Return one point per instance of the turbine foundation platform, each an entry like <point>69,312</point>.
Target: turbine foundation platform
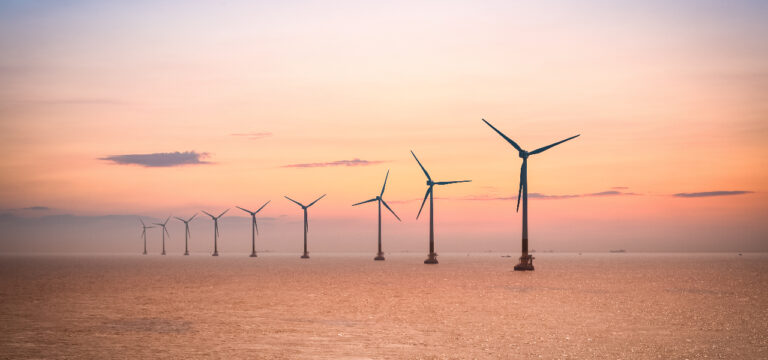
<point>163,253</point>
<point>379,257</point>
<point>526,263</point>
<point>305,256</point>
<point>253,255</point>
<point>186,253</point>
<point>431,259</point>
<point>215,254</point>
<point>145,253</point>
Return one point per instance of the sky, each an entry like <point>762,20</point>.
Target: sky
<point>114,110</point>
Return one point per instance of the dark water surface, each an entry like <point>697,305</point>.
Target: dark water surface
<point>337,306</point>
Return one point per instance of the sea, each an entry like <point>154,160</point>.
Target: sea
<point>348,306</point>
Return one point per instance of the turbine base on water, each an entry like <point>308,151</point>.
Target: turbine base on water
<point>431,259</point>
<point>526,263</point>
<point>215,254</point>
<point>253,255</point>
<point>186,253</point>
<point>305,256</point>
<point>379,256</point>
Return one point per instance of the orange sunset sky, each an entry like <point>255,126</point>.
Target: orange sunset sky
<point>303,98</point>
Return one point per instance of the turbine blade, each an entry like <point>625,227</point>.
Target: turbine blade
<point>166,220</point>
<point>385,183</point>
<point>297,203</point>
<point>451,182</point>
<point>422,166</point>
<point>262,206</point>
<point>318,199</point>
<point>423,201</point>
<point>255,225</point>
<point>390,209</point>
<point>541,149</point>
<point>166,231</point>
<point>504,136</point>
<point>246,210</point>
<point>193,216</point>
<point>520,190</point>
<point>222,214</point>
<point>142,222</point>
<point>207,213</point>
<point>178,218</point>
<point>363,202</point>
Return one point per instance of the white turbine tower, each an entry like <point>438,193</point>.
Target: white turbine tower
<point>215,230</point>
<point>186,233</point>
<point>165,231</point>
<point>379,198</point>
<point>432,257</point>
<point>254,227</point>
<point>144,234</point>
<point>526,260</point>
<point>306,223</point>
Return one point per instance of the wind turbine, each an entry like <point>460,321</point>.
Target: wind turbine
<point>432,257</point>
<point>526,260</point>
<point>306,224</point>
<point>165,231</point>
<point>254,227</point>
<point>186,233</point>
<point>215,231</point>
<point>380,255</point>
<point>144,234</point>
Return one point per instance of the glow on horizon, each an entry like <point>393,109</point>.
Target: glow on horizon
<point>669,98</point>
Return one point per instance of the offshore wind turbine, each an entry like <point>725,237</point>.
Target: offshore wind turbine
<point>215,231</point>
<point>186,233</point>
<point>306,223</point>
<point>144,234</point>
<point>432,257</point>
<point>526,260</point>
<point>379,198</point>
<point>254,227</point>
<point>165,231</point>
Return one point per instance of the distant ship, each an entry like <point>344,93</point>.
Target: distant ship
<point>618,251</point>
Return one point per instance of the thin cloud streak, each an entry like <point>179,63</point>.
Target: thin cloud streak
<point>712,193</point>
<point>549,197</point>
<point>254,135</point>
<point>353,162</point>
<point>159,159</point>
<point>36,208</point>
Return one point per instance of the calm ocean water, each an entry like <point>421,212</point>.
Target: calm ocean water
<point>277,306</point>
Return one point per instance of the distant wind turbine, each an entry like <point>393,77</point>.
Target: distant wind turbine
<point>526,260</point>
<point>254,227</point>
<point>432,259</point>
<point>186,233</point>
<point>379,198</point>
<point>306,223</point>
<point>165,231</point>
<point>215,230</point>
<point>144,234</point>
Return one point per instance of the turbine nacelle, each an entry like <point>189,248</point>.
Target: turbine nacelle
<point>523,154</point>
